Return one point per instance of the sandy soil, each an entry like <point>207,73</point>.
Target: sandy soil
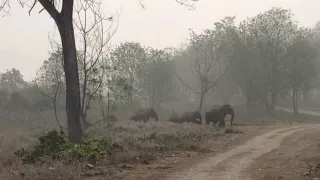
<point>231,165</point>
<point>298,158</point>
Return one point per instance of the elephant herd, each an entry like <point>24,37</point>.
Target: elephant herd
<point>215,114</point>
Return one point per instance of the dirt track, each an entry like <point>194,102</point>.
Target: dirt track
<point>230,165</point>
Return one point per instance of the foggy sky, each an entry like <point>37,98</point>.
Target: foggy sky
<point>24,39</point>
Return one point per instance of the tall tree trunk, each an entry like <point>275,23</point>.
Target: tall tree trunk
<point>73,106</point>
<point>64,22</point>
<point>266,102</point>
<point>75,127</point>
<point>274,81</point>
<point>249,100</point>
<point>249,97</point>
<point>304,95</point>
<point>83,108</point>
<point>295,97</point>
<point>273,100</point>
<point>130,93</point>
<point>201,100</point>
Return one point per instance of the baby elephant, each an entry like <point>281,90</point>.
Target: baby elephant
<point>144,115</point>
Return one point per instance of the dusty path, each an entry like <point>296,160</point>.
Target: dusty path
<point>230,165</point>
<point>300,111</point>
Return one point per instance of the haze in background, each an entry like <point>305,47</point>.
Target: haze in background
<point>24,39</point>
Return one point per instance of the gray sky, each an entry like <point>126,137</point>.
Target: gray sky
<point>24,39</point>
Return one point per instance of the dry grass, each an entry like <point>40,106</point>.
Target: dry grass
<point>143,143</point>
<point>54,171</point>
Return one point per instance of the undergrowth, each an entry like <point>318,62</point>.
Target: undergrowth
<point>56,147</point>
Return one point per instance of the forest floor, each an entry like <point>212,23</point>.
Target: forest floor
<point>288,152</point>
<point>278,147</point>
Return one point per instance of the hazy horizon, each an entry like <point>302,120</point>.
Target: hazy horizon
<point>24,39</point>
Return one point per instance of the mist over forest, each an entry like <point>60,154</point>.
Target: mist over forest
<point>264,63</point>
<point>265,60</point>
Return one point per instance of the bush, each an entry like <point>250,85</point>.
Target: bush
<point>56,146</point>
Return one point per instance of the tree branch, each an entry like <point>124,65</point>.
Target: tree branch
<point>3,6</point>
<point>50,8</point>
<point>186,84</point>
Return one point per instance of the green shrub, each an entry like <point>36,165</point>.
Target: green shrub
<point>56,146</point>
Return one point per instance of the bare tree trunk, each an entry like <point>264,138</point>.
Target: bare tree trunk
<point>108,104</point>
<point>64,22</point>
<point>273,100</point>
<point>304,95</point>
<point>202,95</point>
<point>130,93</point>
<point>83,112</point>
<point>55,108</point>
<point>73,107</point>
<point>54,102</point>
<point>248,99</point>
<point>295,101</point>
<point>265,100</point>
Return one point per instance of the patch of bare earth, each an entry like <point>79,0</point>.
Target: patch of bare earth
<point>298,158</point>
<point>231,165</point>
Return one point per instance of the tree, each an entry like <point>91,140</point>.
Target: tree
<point>50,82</point>
<point>300,65</point>
<point>210,57</point>
<point>12,80</point>
<point>266,37</point>
<point>11,83</point>
<point>230,45</point>
<point>117,88</point>
<point>64,22</point>
<point>129,58</point>
<point>203,57</point>
<point>156,78</point>
<point>94,37</point>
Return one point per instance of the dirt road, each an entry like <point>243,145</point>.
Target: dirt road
<point>230,165</point>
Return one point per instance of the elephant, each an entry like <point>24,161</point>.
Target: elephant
<point>193,117</point>
<point>174,117</point>
<point>144,115</point>
<point>218,114</point>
